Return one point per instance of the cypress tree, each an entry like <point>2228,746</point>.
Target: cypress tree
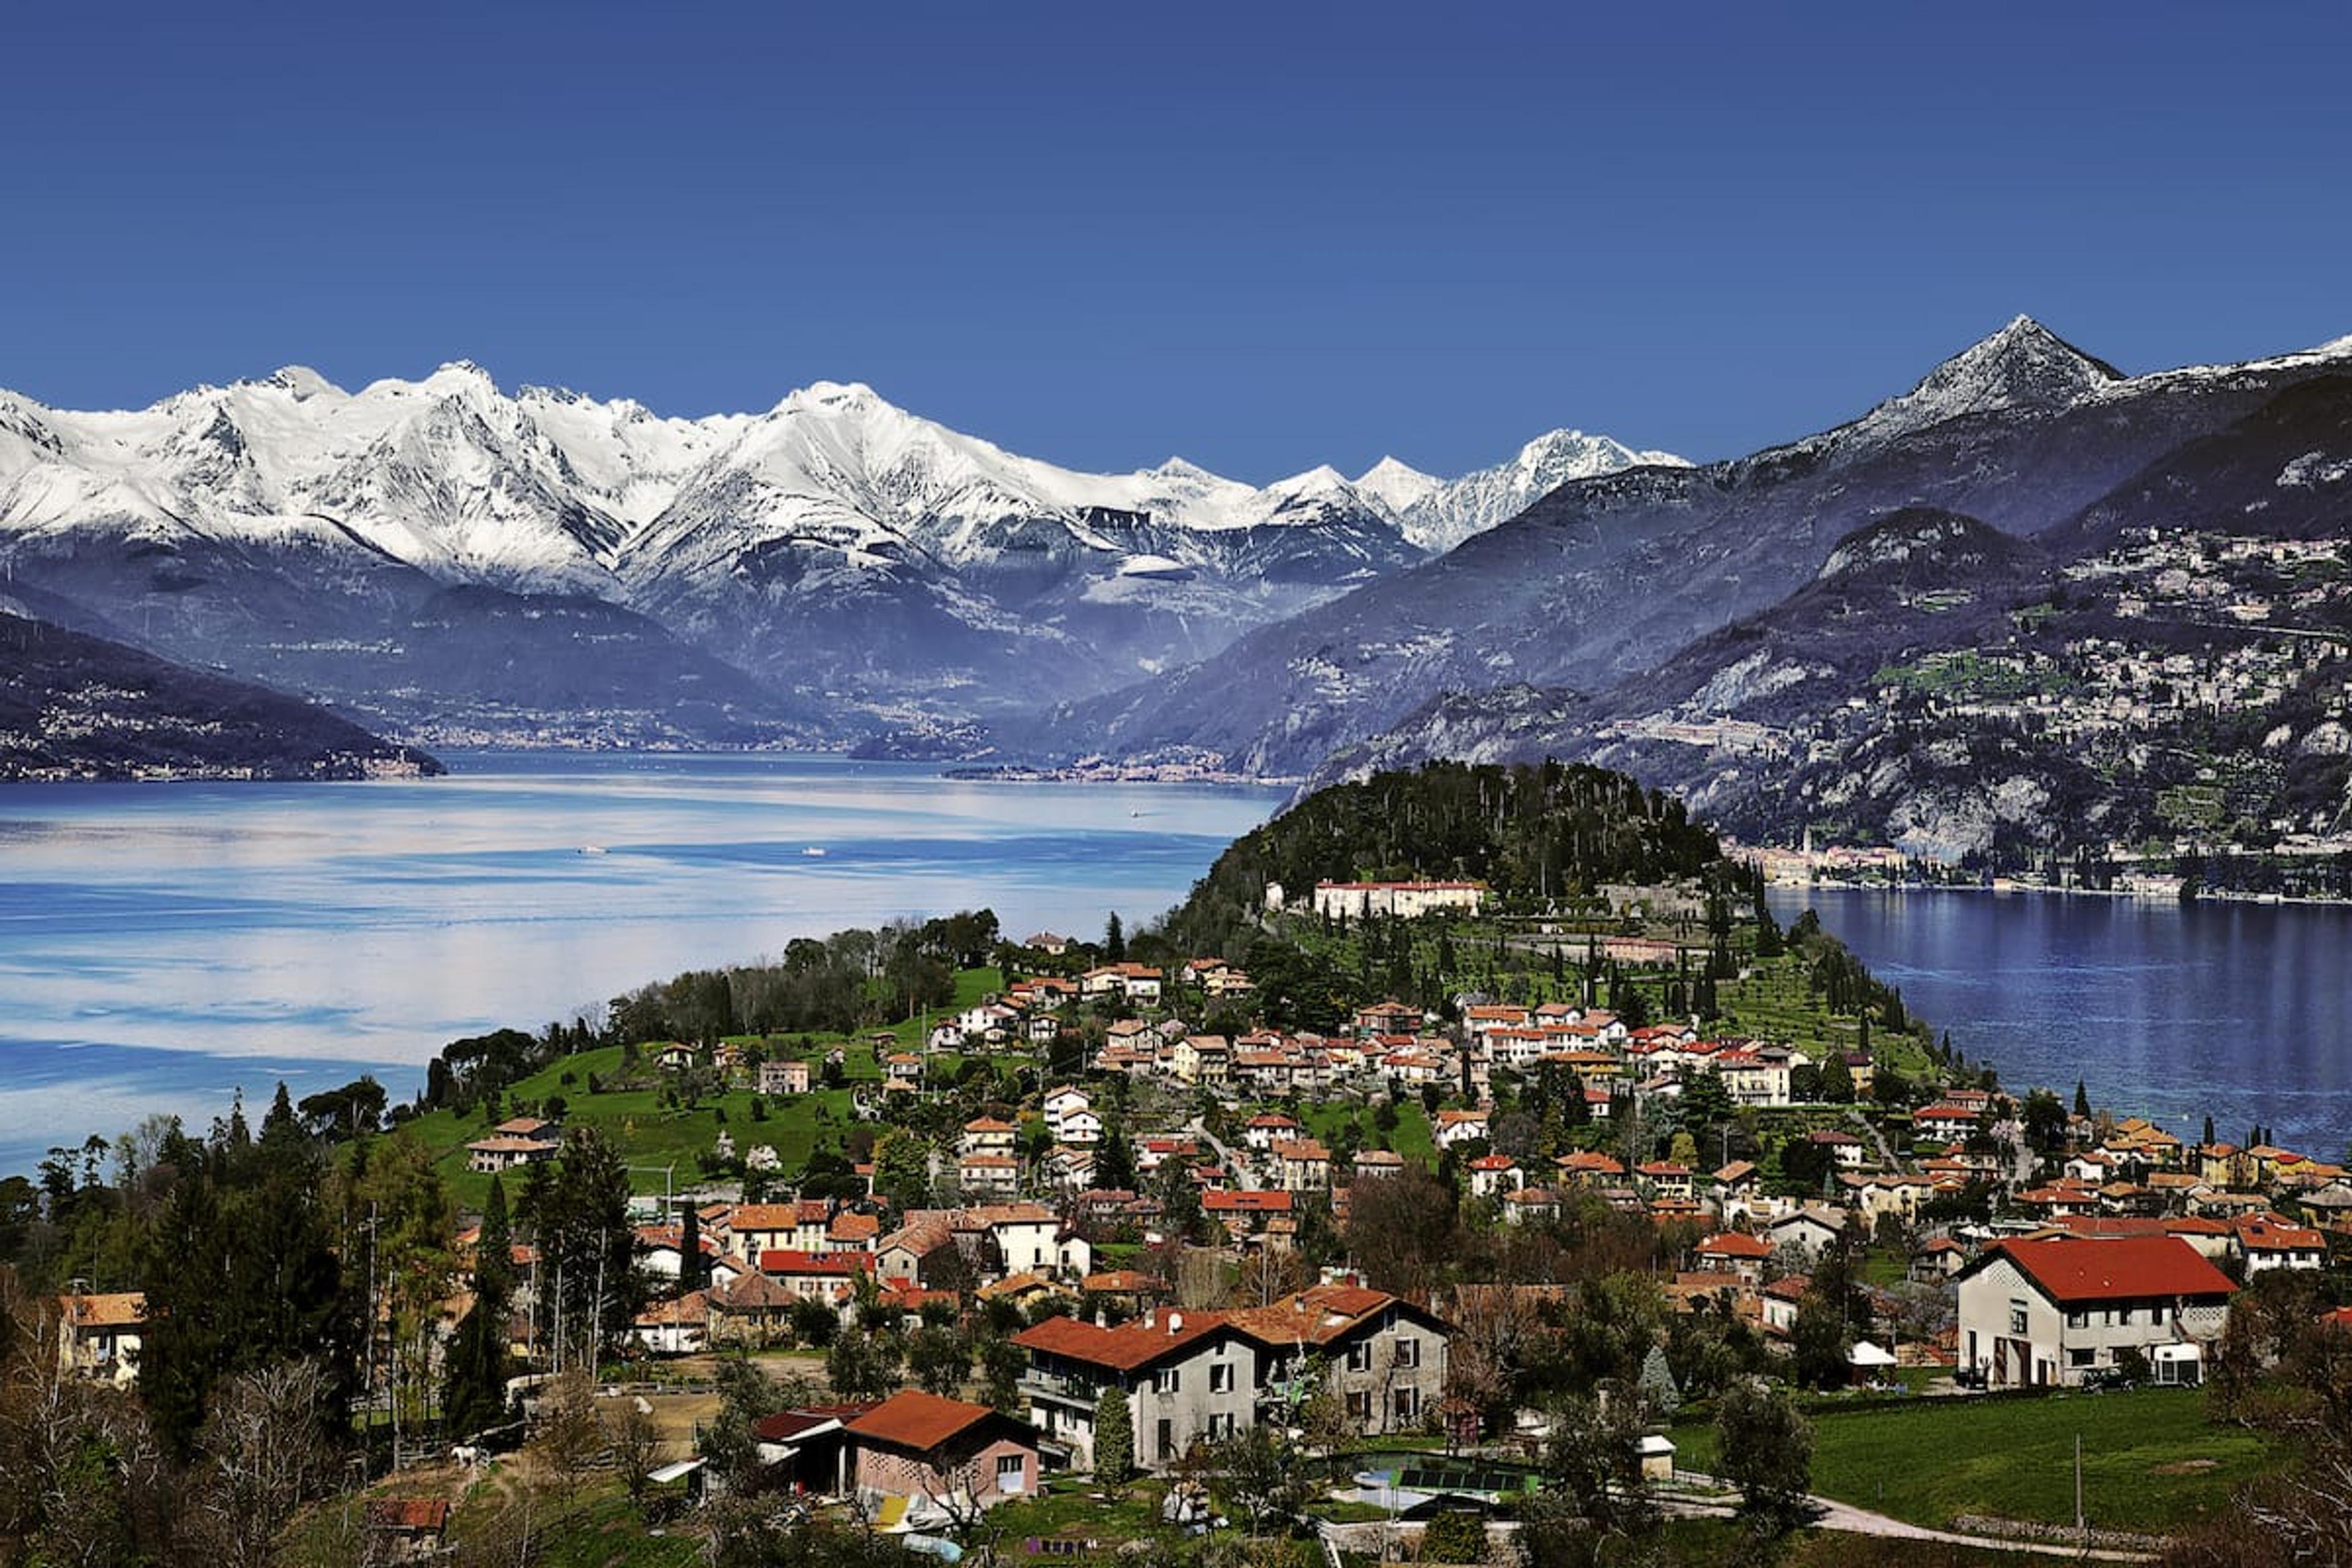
<point>1114,1438</point>
<point>474,1393</point>
<point>2082,1100</point>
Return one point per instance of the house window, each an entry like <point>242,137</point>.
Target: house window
<point>2084,1357</point>
<point>1221,1378</point>
<point>1167,1379</point>
<point>2016,1317</point>
<point>1360,1406</point>
<point>2078,1318</point>
<point>1166,1439</point>
<point>1011,1473</point>
<point>1359,1356</point>
<point>1408,1352</point>
<point>1408,1403</point>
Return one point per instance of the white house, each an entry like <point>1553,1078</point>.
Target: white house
<point>2054,1310</point>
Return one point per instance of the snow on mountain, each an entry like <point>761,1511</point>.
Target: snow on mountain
<point>551,490</point>
<point>1398,486</point>
<point>1445,513</point>
<point>2024,366</point>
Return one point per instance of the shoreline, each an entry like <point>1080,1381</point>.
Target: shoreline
<point>2008,890</point>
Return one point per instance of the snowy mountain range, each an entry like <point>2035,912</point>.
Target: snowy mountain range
<point>1609,578</point>
<point>833,555</point>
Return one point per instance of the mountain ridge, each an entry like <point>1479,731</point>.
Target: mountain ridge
<point>852,557</point>
<point>1608,577</point>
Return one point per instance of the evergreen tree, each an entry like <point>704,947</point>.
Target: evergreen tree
<point>279,1124</point>
<point>693,1273</point>
<point>1115,1161</point>
<point>589,1288</point>
<point>2081,1099</point>
<point>474,1391</point>
<point>1114,940</point>
<point>1114,1438</point>
<point>1658,1385</point>
<point>242,1271</point>
<point>1837,1079</point>
<point>2208,1140</point>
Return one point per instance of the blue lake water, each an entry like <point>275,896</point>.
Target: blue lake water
<point>2241,1010</point>
<point>162,945</point>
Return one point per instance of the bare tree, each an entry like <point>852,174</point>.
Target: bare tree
<point>266,1449</point>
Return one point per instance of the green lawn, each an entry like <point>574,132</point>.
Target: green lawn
<point>1412,1138</point>
<point>651,1137</point>
<point>2150,1460</point>
<point>1080,1508</point>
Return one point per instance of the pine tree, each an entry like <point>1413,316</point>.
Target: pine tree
<point>2082,1100</point>
<point>1114,940</point>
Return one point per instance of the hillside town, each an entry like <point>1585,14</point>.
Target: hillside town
<point>1112,1223</point>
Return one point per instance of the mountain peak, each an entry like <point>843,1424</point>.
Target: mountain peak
<point>301,381</point>
<point>2023,363</point>
<point>459,373</point>
<point>1398,485</point>
<point>2024,366</point>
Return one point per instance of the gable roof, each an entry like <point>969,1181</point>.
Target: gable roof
<point>2069,1268</point>
<point>913,1419</point>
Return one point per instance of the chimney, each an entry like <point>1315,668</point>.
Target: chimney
<point>1175,1323</point>
<point>1151,1318</point>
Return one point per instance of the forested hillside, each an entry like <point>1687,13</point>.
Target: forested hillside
<point>1530,832</point>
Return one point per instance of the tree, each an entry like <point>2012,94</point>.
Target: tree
<point>2081,1099</point>
<point>940,1357</point>
<point>1114,940</point>
<point>1658,1385</point>
<point>814,1322</point>
<point>267,1447</point>
<point>1401,1231</point>
<point>474,1391</point>
<point>1260,1474</point>
<point>863,1366</point>
<point>746,1393</point>
<point>1767,1451</point>
<point>589,1288</point>
<point>2044,1120</point>
<point>1114,1438</point>
<point>1837,1080</point>
<point>636,1446</point>
<point>1592,1500</point>
<point>567,1441</point>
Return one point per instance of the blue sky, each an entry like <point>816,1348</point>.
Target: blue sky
<point>1261,235</point>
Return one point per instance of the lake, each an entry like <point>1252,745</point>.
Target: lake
<point>2166,1011</point>
<point>162,945</point>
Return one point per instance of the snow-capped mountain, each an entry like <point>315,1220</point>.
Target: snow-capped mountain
<point>1604,579</point>
<point>1439,514</point>
<point>835,546</point>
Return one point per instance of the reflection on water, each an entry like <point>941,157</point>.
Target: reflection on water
<point>2241,1010</point>
<point>159,943</point>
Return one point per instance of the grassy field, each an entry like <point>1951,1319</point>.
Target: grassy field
<point>2150,1460</point>
<point>651,1137</point>
<point>1412,1138</point>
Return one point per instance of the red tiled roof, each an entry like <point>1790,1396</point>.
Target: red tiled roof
<point>913,1419</point>
<point>408,1513</point>
<point>1731,1244</point>
<point>1133,1344</point>
<point>2072,1270</point>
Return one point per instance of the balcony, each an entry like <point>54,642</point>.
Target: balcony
<point>1060,1388</point>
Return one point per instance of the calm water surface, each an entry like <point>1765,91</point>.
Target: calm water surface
<point>2170,1012</point>
<point>162,945</point>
